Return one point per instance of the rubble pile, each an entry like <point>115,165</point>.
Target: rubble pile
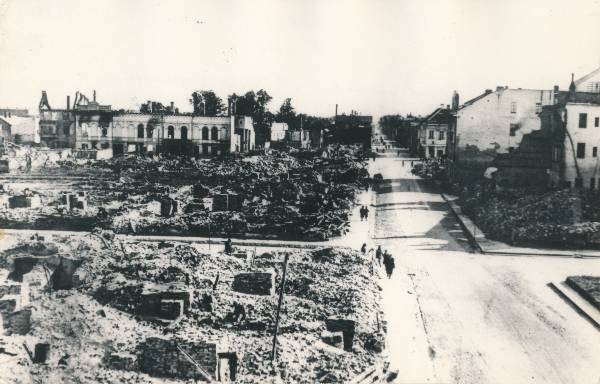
<point>564,218</point>
<point>298,196</point>
<point>588,287</point>
<point>137,311</point>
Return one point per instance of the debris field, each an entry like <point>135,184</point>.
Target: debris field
<point>95,309</point>
<point>299,195</point>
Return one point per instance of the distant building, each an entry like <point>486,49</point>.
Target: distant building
<point>23,130</point>
<point>5,134</point>
<point>10,112</point>
<point>433,133</point>
<point>298,139</point>
<point>278,131</point>
<point>490,124</point>
<point>350,129</point>
<point>18,126</point>
<point>89,125</point>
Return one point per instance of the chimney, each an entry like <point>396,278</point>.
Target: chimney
<point>172,106</point>
<point>455,101</point>
<point>500,88</point>
<point>68,102</point>
<point>94,95</point>
<point>336,106</point>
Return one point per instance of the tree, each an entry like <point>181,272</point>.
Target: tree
<point>207,103</point>
<point>397,128</point>
<point>254,105</point>
<point>155,107</point>
<point>287,114</point>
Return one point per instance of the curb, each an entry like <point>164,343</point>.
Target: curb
<point>182,239</point>
<point>572,302</point>
<point>472,240</point>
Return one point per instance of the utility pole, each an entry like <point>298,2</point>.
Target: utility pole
<point>285,263</point>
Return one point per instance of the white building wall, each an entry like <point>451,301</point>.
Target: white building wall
<point>589,165</point>
<point>486,124</point>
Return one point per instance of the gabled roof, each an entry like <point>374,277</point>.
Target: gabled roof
<point>440,115</point>
<point>588,76</point>
<point>477,98</point>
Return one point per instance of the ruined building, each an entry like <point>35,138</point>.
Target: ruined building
<point>88,125</point>
<point>564,151</point>
<point>491,124</point>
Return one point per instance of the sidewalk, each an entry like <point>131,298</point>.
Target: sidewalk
<point>487,246</point>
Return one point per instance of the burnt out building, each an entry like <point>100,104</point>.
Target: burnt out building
<point>89,125</point>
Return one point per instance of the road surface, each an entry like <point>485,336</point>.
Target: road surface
<point>455,316</point>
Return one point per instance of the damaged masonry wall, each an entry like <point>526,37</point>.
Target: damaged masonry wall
<point>110,341</point>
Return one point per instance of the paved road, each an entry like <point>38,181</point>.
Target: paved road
<point>455,316</point>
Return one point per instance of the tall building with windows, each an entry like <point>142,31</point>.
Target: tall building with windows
<point>574,121</point>
<point>90,125</point>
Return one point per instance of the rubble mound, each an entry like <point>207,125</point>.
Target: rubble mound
<point>564,218</point>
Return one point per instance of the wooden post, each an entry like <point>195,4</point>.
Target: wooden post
<point>274,352</point>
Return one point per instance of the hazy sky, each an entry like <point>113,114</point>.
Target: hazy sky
<point>377,57</point>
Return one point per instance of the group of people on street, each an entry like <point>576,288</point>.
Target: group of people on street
<point>381,256</point>
<point>364,213</point>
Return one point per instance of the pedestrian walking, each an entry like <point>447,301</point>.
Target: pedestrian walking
<point>403,163</point>
<point>362,213</point>
<point>363,249</point>
<point>390,264</point>
<point>386,257</point>
<point>228,247</point>
<point>366,213</point>
<point>379,254</point>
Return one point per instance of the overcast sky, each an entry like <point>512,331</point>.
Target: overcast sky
<point>377,57</point>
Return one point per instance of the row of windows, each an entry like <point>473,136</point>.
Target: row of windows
<point>583,118</point>
<point>513,107</point>
<point>581,151</point>
<point>432,135</point>
<point>214,132</point>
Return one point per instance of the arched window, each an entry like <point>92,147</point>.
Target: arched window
<point>183,133</point>
<point>140,131</point>
<point>149,131</point>
<point>204,133</point>
<point>171,132</point>
<point>214,133</point>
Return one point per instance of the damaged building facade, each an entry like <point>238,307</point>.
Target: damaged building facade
<point>89,125</point>
<point>491,124</point>
<point>553,143</point>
